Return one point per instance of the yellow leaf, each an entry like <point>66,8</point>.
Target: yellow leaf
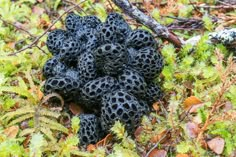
<point>191,101</point>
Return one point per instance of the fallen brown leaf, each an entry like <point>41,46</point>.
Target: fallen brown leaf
<point>156,138</point>
<point>156,106</point>
<point>75,109</point>
<point>91,148</point>
<point>40,94</point>
<point>203,144</point>
<point>182,155</point>
<point>11,45</point>
<point>12,131</point>
<point>154,120</point>
<point>157,153</point>
<point>192,129</point>
<point>216,145</point>
<point>188,84</point>
<point>147,5</point>
<point>44,24</point>
<point>138,132</point>
<point>191,101</point>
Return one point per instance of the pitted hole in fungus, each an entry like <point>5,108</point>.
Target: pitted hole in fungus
<point>87,90</point>
<point>133,106</point>
<point>88,133</point>
<point>141,87</point>
<point>126,106</point>
<point>48,87</point>
<point>128,87</point>
<point>99,51</point>
<point>135,88</point>
<point>121,100</point>
<point>108,34</point>
<point>136,83</point>
<point>113,116</point>
<point>128,121</point>
<point>69,86</point>
<point>115,51</point>
<point>92,93</point>
<point>107,117</point>
<point>99,90</point>
<point>107,47</point>
<point>93,86</point>
<point>128,97</point>
<point>113,100</point>
<point>54,82</point>
<point>83,131</point>
<point>125,116</point>
<point>129,81</point>
<point>84,139</point>
<point>120,94</point>
<point>119,111</point>
<point>61,83</point>
<point>131,113</point>
<point>114,106</point>
<point>109,110</point>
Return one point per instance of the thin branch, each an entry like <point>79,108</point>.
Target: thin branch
<point>194,7</point>
<point>17,27</point>
<point>216,7</point>
<point>40,49</point>
<point>77,6</point>
<point>148,21</point>
<point>163,137</point>
<point>39,37</point>
<point>186,114</point>
<point>224,3</point>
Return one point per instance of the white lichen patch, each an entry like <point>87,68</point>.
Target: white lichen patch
<point>226,37</point>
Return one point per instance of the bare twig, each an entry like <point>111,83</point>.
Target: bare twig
<point>216,7</point>
<point>17,27</point>
<point>163,137</point>
<point>77,6</point>
<point>186,114</point>
<point>39,37</point>
<point>40,49</point>
<point>225,3</point>
<point>195,8</point>
<point>138,15</point>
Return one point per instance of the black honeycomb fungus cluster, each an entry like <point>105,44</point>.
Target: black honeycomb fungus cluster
<point>105,67</point>
<point>89,126</point>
